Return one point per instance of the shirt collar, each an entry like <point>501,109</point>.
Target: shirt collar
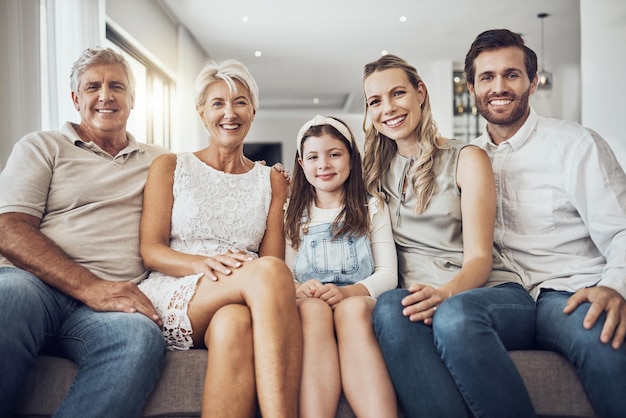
<point>70,133</point>
<point>520,138</point>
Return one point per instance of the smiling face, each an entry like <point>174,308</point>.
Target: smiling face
<point>326,164</point>
<point>227,114</point>
<point>501,90</point>
<point>103,100</point>
<point>394,105</point>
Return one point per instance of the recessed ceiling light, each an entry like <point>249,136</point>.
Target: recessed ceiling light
<point>257,53</point>
<point>245,19</point>
<point>403,19</point>
<point>316,100</point>
<point>384,52</point>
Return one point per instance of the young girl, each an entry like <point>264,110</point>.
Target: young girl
<point>341,250</point>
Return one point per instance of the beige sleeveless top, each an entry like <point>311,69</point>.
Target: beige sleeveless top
<point>430,245</point>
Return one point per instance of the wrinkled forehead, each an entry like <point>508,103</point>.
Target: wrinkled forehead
<point>100,73</point>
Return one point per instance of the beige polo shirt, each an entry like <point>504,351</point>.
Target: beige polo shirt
<point>89,203</point>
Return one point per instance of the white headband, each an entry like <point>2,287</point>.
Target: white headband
<point>322,120</point>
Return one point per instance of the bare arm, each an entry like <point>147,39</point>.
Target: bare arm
<point>478,206</point>
<point>274,239</point>
<point>27,248</point>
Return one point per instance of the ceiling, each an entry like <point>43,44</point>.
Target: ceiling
<point>316,50</point>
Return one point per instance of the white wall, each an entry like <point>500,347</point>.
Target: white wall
<point>150,25</point>
<point>562,101</point>
<point>603,59</point>
<point>438,78</point>
<point>188,132</point>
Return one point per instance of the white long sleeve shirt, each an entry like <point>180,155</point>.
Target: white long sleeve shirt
<point>561,210</point>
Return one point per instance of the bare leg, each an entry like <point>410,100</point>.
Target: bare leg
<point>229,386</point>
<point>366,382</point>
<point>265,286</point>
<point>321,382</point>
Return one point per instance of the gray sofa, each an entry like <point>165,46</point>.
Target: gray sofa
<point>553,385</point>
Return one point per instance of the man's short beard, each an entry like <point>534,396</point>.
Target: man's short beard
<point>518,111</point>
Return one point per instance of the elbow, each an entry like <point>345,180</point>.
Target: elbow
<point>146,256</point>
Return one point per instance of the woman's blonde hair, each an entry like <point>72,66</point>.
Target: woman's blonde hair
<point>379,149</point>
<point>228,70</point>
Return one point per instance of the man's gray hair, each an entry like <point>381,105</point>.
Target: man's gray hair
<point>100,56</point>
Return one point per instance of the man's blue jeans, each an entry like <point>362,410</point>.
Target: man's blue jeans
<point>422,382</point>
<point>473,331</point>
<point>119,354</point>
<point>601,368</point>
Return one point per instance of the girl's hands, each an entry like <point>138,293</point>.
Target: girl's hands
<point>308,288</point>
<point>329,293</point>
<point>222,263</point>
<point>422,303</point>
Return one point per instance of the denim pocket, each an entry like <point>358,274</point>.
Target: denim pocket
<point>334,256</point>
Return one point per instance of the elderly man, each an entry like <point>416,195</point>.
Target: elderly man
<point>70,203</point>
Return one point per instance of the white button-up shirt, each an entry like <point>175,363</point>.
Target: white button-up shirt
<point>561,210</point>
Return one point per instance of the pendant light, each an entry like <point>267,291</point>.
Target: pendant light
<point>545,77</point>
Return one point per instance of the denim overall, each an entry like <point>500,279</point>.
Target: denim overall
<point>341,261</point>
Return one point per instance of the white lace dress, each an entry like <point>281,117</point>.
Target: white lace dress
<point>212,212</point>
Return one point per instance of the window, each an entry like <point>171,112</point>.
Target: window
<point>150,120</point>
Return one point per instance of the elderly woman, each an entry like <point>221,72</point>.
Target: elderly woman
<point>211,232</point>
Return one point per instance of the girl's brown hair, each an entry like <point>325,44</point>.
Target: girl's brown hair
<point>353,219</point>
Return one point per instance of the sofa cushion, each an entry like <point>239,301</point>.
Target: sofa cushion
<point>552,383</point>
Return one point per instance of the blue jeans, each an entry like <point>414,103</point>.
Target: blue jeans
<point>119,354</point>
<point>422,382</point>
<point>601,369</point>
<point>473,331</point>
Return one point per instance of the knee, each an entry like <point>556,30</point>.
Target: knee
<point>230,326</point>
<point>19,293</point>
<point>354,311</point>
<point>273,274</point>
<point>136,338</point>
<point>389,307</point>
<point>21,307</point>
<point>313,312</point>
<point>450,319</point>
<point>316,320</point>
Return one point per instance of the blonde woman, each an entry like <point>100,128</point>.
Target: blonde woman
<point>212,233</point>
<point>441,196</point>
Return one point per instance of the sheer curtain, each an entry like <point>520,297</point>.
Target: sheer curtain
<point>19,72</point>
<point>68,27</point>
